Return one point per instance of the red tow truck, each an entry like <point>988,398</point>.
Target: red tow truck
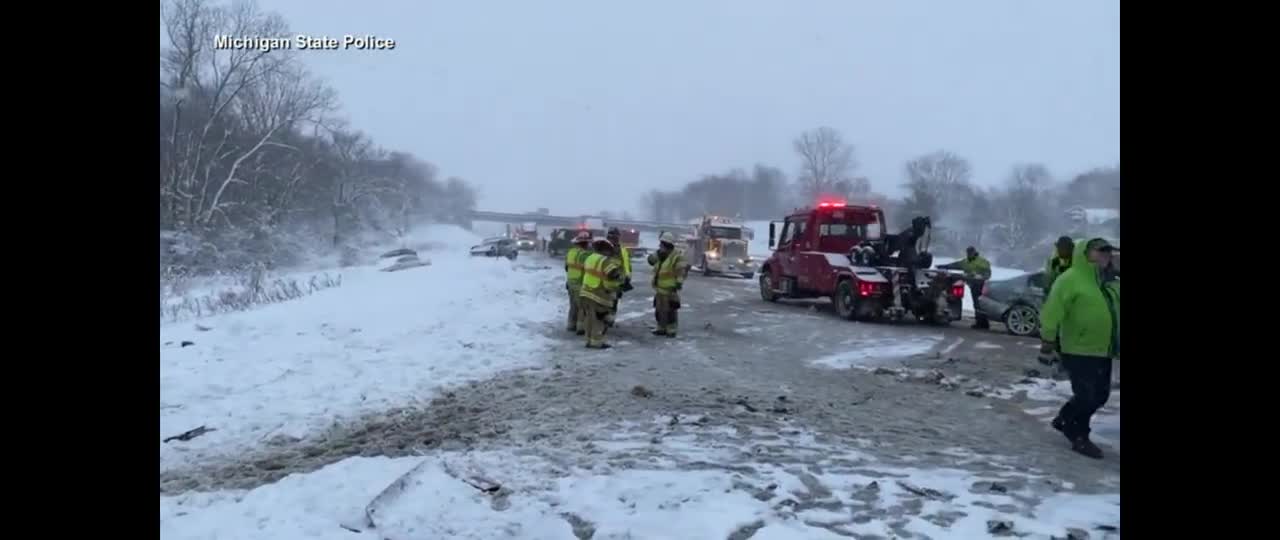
<point>842,252</point>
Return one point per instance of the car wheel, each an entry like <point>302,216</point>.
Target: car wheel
<point>766,288</point>
<point>1022,320</point>
<point>844,300</point>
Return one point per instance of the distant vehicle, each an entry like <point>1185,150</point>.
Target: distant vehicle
<point>841,252</point>
<point>499,246</point>
<point>630,239</point>
<point>717,246</point>
<point>562,239</point>
<point>525,235</point>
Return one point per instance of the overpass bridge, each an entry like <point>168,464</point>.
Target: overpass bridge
<point>572,221</point>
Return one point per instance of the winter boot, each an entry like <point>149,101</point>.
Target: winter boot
<point>1085,447</point>
<point>600,346</point>
<point>1059,424</point>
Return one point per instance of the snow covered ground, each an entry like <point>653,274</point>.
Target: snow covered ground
<point>676,487</point>
<point>380,340</point>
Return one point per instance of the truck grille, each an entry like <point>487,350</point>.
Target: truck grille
<point>734,251</point>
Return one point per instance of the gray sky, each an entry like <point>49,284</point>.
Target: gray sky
<point>581,105</point>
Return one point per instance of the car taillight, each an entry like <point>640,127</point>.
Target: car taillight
<point>866,289</point>
<point>957,290</point>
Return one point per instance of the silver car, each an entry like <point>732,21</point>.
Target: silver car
<point>1015,302</point>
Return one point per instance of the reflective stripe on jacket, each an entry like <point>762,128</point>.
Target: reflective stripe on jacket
<point>601,279</point>
<point>670,272</point>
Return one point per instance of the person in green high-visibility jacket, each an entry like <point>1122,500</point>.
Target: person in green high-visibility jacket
<point>1059,262</point>
<point>573,260</point>
<point>977,270</point>
<point>624,256</point>
<point>669,272</point>
<point>601,279</point>
<point>1080,322</point>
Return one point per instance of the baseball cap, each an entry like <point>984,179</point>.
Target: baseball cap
<point>1100,244</point>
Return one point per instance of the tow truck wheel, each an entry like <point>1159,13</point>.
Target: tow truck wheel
<point>766,288</point>
<point>844,300</point>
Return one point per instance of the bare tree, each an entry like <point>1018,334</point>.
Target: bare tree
<point>825,161</point>
<point>936,180</point>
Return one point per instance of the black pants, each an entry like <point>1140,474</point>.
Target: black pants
<point>1090,388</point>
<point>975,290</point>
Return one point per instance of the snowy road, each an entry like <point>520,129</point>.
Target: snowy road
<point>751,395</point>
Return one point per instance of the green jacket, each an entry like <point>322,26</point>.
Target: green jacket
<point>977,268</point>
<point>1083,310</point>
<point>1053,268</point>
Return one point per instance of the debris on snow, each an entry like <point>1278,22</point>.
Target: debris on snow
<point>993,487</point>
<point>186,343</point>
<point>399,253</point>
<point>190,434</point>
<point>999,527</point>
<point>202,328</point>
<point>641,392</point>
<point>925,492</point>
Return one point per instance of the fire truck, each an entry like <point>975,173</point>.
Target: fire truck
<point>717,246</point>
<point>842,252</point>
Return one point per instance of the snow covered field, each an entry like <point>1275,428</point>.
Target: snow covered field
<point>380,340</point>
<point>674,489</point>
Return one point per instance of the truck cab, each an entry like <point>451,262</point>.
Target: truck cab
<point>812,259</point>
<point>718,246</point>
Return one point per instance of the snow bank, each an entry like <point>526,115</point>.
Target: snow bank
<point>379,341</point>
<point>657,503</point>
<point>877,351</point>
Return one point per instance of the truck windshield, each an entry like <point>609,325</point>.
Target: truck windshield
<point>728,233</point>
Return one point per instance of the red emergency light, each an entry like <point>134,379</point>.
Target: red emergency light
<point>831,204</point>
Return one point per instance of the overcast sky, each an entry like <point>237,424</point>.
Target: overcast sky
<point>581,105</point>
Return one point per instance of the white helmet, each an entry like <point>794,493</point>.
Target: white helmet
<point>667,238</point>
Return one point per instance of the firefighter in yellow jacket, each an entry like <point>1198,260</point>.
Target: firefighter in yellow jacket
<point>624,256</point>
<point>573,260</point>
<point>669,272</point>
<point>601,279</point>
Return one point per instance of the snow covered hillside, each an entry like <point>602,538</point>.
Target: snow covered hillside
<point>380,340</point>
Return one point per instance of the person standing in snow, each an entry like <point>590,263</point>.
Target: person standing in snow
<point>669,272</point>
<point>624,256</point>
<point>977,270</point>
<point>1084,309</point>
<point>573,260</point>
<point>601,279</point>
<point>1059,262</point>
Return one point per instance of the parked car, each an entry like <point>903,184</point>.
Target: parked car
<point>499,246</point>
<point>1014,301</point>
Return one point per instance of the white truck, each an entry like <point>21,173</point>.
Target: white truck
<point>718,246</point>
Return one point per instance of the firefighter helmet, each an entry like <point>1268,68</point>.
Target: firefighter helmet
<point>667,238</point>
